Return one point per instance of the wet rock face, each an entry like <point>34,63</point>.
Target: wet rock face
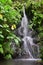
<point>36,40</point>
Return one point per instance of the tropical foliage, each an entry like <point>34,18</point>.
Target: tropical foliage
<point>35,13</point>
<point>9,19</point>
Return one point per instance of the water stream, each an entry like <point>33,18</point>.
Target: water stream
<point>29,46</point>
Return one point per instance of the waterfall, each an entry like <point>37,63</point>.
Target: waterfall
<point>31,48</point>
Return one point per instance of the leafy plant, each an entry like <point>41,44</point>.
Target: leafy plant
<point>35,9</point>
<point>9,19</point>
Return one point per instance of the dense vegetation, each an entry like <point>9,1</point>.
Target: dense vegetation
<point>35,13</point>
<point>10,17</point>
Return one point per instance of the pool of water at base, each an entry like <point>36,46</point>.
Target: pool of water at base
<point>21,62</point>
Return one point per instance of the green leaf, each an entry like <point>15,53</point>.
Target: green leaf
<point>1,16</point>
<point>41,34</point>
<point>7,30</point>
<point>0,32</point>
<point>1,49</point>
<point>18,39</point>
<point>1,36</point>
<point>10,37</point>
<point>7,7</point>
<point>8,56</point>
<point>0,45</point>
<point>16,42</point>
<point>9,1</point>
<point>40,28</point>
<point>5,26</point>
<point>3,1</point>
<point>1,26</point>
<point>6,47</point>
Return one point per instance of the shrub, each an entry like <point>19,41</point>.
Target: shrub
<point>35,13</point>
<point>9,19</point>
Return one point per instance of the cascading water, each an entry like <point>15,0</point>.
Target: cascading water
<point>31,48</point>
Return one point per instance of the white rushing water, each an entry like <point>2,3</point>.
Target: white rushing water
<point>28,60</point>
<point>31,48</point>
